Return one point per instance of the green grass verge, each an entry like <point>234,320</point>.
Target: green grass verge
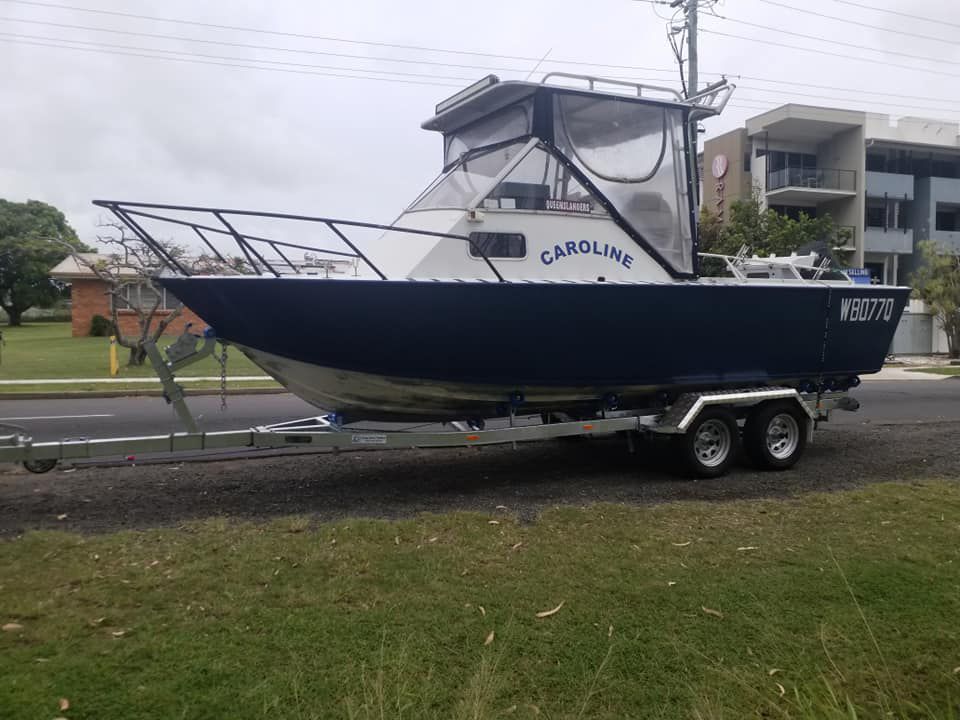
<point>837,605</point>
<point>46,350</point>
<point>10,392</point>
<point>953,370</point>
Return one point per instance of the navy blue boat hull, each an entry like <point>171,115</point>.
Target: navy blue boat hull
<point>604,338</point>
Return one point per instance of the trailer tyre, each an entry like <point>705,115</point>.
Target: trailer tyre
<point>775,435</point>
<point>39,466</point>
<point>711,444</point>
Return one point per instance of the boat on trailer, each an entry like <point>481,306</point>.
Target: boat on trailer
<point>551,268</point>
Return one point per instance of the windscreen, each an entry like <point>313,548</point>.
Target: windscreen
<point>634,154</point>
<point>507,124</point>
<point>542,182</point>
<point>468,178</point>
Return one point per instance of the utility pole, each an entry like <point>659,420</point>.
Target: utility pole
<point>692,47</point>
<point>689,8</point>
<point>691,91</point>
<point>689,25</point>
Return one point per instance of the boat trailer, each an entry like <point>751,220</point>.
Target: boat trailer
<point>773,424</point>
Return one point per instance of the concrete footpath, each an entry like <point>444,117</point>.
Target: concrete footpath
<point>904,373</point>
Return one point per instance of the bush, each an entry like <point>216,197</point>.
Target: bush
<point>100,326</point>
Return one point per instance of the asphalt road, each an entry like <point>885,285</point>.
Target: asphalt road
<point>127,416</point>
<point>882,401</point>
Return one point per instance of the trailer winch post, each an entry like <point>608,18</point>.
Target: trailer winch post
<point>172,392</point>
<point>181,353</point>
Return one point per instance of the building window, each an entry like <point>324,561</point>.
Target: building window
<point>794,212</point>
<point>876,216</point>
<point>876,162</point>
<point>888,214</point>
<point>947,220</point>
<point>142,296</point>
<point>898,214</point>
<point>892,160</point>
<point>789,169</point>
<point>944,168</point>
<point>498,245</point>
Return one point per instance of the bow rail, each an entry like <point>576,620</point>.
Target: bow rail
<point>261,253</point>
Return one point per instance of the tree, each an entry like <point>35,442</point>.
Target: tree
<point>763,232</point>
<point>32,237</point>
<point>128,269</point>
<point>937,283</point>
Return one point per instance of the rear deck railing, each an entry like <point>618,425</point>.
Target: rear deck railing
<point>262,255</point>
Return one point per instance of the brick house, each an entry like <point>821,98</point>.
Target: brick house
<point>89,297</point>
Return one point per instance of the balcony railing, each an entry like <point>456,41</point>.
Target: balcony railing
<point>890,240</point>
<point>812,178</point>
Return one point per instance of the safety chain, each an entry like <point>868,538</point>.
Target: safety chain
<point>223,376</point>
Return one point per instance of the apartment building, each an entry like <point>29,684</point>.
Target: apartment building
<point>888,183</point>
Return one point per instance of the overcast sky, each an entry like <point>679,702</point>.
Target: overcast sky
<point>79,125</point>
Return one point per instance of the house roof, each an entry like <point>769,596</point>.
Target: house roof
<point>70,269</point>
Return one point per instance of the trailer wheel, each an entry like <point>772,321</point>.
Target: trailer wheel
<point>775,436</point>
<point>40,466</point>
<point>711,444</point>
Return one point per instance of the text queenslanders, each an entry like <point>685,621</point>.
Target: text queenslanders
<point>586,247</point>
<point>568,206</point>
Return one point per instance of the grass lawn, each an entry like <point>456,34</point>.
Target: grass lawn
<point>10,392</point>
<point>952,370</point>
<point>46,350</point>
<point>840,605</point>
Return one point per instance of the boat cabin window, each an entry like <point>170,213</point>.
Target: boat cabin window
<point>634,154</point>
<point>507,124</point>
<point>497,245</point>
<point>473,174</point>
<point>541,182</point>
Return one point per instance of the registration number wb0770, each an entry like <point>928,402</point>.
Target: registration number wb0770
<point>866,309</point>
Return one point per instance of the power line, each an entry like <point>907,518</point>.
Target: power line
<point>829,114</point>
<point>912,16</point>
<point>951,111</point>
<point>834,97</point>
<point>830,54</point>
<point>407,61</point>
<point>378,59</point>
<point>393,60</point>
<point>136,48</point>
<point>325,38</point>
<point>860,23</point>
<point>165,52</point>
<point>143,52</point>
<point>274,48</point>
<point>280,33</point>
<point>754,104</point>
<point>139,49</point>
<point>754,78</point>
<point>228,64</point>
<point>251,46</point>
<point>855,46</point>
